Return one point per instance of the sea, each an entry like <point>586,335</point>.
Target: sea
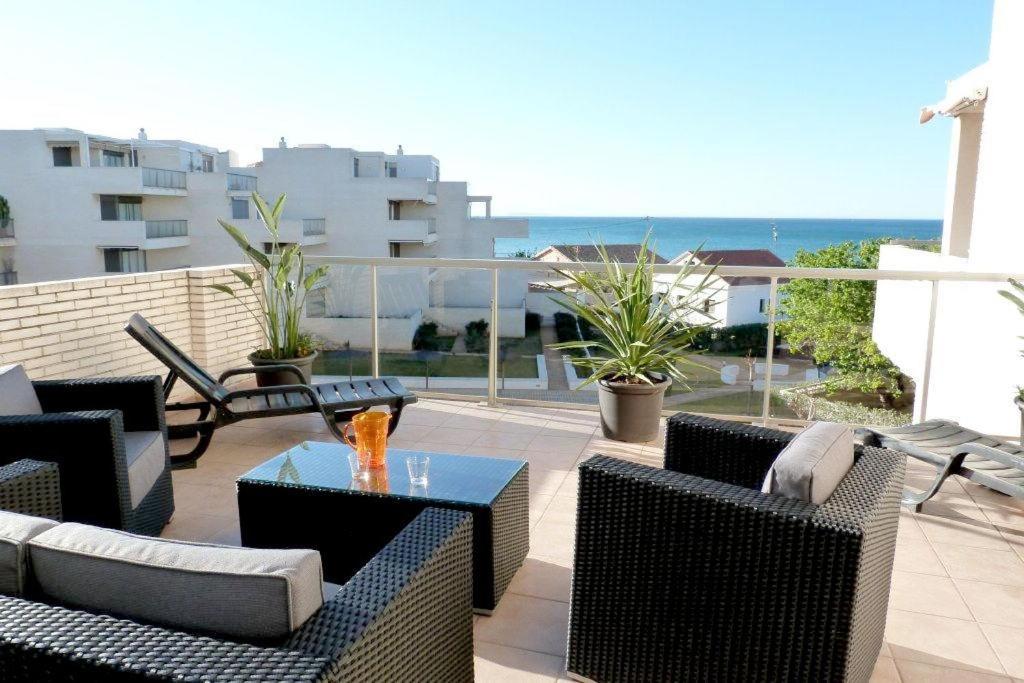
<point>672,236</point>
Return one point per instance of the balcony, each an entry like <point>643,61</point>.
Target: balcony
<point>151,234</point>
<point>412,230</point>
<point>7,238</point>
<point>158,231</point>
<point>163,179</point>
<point>959,562</point>
<point>240,183</point>
<point>314,231</point>
<point>412,189</point>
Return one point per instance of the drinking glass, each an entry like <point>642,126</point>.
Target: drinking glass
<point>418,466</point>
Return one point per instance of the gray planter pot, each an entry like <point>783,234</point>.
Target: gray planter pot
<point>630,412</point>
<point>276,379</point>
<point>1020,407</point>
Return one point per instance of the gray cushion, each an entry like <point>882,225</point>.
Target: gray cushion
<point>147,458</point>
<point>226,590</point>
<point>15,532</point>
<point>812,465</point>
<point>17,397</point>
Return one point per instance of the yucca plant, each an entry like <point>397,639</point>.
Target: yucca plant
<point>638,339</point>
<point>280,285</point>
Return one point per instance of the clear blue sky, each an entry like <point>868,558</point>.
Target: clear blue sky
<point>683,108</point>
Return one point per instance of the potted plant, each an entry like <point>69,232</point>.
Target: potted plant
<point>280,282</point>
<point>640,343</point>
<point>1017,297</point>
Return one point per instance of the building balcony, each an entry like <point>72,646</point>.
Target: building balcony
<point>501,227</point>
<point>135,180</point>
<point>240,184</point>
<point>412,190</point>
<point>155,234</point>
<point>412,230</point>
<point>7,238</point>
<point>314,231</point>
<point>958,565</point>
<point>290,231</point>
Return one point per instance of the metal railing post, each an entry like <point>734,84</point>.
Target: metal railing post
<point>921,402</point>
<point>492,351</point>
<point>766,404</point>
<point>374,343</point>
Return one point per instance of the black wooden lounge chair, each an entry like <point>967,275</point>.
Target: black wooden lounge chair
<point>338,402</point>
<point>953,449</point>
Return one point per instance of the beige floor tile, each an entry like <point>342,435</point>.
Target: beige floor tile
<point>992,603</point>
<point>411,432</point>
<point>540,579</point>
<point>954,506</point>
<point>909,529</point>
<point>538,506</point>
<point>527,623</point>
<point>559,445</point>
<point>471,421</point>
<point>191,526</point>
<point>1009,646</point>
<point>927,594</point>
<point>959,532</point>
<point>981,564</point>
<point>942,641</point>
<point>918,556</point>
<point>519,440</point>
<point>919,672</point>
<point>546,481</point>
<point>565,428</point>
<point>885,671</point>
<point>500,664</point>
<point>452,435</point>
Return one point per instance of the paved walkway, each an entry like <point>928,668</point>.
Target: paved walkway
<point>553,361</point>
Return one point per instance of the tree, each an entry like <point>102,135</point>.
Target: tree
<point>831,321</point>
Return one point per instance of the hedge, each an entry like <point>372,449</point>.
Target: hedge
<point>476,336</point>
<point>736,338</point>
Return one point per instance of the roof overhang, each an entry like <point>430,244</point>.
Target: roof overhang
<point>964,95</point>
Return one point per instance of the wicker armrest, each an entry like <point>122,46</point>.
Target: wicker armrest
<point>722,450</point>
<point>88,448</point>
<point>140,399</point>
<point>31,487</point>
<point>408,614</point>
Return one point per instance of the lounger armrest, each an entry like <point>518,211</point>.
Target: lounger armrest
<point>89,450</point>
<point>722,450</point>
<point>140,399</point>
<point>412,601</point>
<point>31,487</point>
<point>257,369</point>
<point>993,454</point>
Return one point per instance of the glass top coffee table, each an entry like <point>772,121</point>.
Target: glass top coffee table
<point>307,497</point>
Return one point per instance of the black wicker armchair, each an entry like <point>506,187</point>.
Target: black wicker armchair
<point>406,616</point>
<point>31,487</point>
<point>691,573</point>
<point>82,430</point>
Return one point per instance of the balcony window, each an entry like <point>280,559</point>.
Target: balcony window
<point>207,163</point>
<point>116,208</point>
<point>239,209</point>
<point>763,306</point>
<point>124,260</point>
<point>61,156</point>
<point>394,210</point>
<point>355,167</point>
<point>391,169</point>
<point>113,158</point>
<point>395,249</point>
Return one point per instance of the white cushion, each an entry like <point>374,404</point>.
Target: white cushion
<point>17,397</point>
<point>226,590</point>
<point>15,532</point>
<point>147,458</point>
<point>812,465</point>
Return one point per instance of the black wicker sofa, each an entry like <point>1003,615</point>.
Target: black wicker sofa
<point>405,616</point>
<point>691,573</point>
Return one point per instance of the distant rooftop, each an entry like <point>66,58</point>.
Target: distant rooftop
<point>586,253</point>
<point>738,257</point>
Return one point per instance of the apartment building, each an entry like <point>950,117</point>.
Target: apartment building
<point>86,204</point>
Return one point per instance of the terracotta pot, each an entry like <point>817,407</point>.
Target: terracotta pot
<point>630,412</point>
<point>277,378</point>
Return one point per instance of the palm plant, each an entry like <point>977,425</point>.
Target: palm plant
<point>280,284</point>
<point>637,338</point>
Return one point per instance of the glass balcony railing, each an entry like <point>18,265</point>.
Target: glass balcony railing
<point>241,183</point>
<point>6,228</point>
<point>483,329</point>
<point>167,228</point>
<point>314,226</point>
<point>164,178</point>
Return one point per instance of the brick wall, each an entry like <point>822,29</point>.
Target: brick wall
<point>75,328</point>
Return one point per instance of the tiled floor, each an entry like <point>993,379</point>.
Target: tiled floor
<point>957,607</point>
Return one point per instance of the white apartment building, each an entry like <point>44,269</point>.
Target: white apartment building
<point>976,364</point>
<point>83,204</point>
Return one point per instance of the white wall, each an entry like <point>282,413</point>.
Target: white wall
<point>393,334</point>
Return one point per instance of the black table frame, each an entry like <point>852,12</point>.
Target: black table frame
<point>348,527</point>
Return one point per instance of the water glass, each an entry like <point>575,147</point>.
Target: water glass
<point>355,463</point>
<point>418,466</point>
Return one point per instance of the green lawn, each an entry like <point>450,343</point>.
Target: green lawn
<point>737,404</point>
<point>408,364</point>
